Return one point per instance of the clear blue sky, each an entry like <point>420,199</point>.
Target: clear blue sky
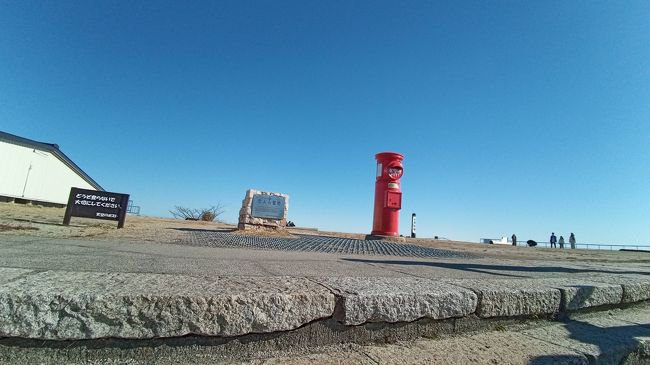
<point>513,116</point>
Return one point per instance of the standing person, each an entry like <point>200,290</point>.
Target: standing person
<point>553,240</point>
<point>561,241</point>
<point>514,239</point>
<point>572,241</point>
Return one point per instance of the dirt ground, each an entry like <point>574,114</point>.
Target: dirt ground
<point>38,221</point>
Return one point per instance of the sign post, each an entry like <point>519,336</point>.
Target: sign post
<point>97,205</point>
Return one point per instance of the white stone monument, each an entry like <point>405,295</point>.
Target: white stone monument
<point>261,209</point>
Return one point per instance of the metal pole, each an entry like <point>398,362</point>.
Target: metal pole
<point>122,213</point>
<point>413,225</point>
<point>68,207</point>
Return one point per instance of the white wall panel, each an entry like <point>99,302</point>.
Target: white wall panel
<point>36,175</point>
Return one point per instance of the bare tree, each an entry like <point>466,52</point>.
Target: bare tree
<point>206,214</point>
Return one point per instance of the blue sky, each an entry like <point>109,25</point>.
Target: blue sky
<point>513,116</point>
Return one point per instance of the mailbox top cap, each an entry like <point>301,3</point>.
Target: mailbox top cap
<point>389,156</point>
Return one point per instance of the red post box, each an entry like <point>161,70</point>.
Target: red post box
<point>388,194</point>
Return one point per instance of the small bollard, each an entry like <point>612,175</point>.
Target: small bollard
<point>413,225</point>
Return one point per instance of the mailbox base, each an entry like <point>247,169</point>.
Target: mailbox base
<point>260,227</point>
<point>378,237</point>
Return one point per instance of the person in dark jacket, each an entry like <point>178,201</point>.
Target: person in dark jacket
<point>514,239</point>
<point>572,241</point>
<point>553,240</point>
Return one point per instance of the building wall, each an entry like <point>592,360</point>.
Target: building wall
<point>48,180</point>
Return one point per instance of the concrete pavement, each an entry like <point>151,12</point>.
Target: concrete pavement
<point>251,302</point>
<point>133,256</point>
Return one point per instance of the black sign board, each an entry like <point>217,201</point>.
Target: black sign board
<point>96,204</point>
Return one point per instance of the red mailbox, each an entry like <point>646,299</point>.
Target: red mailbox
<point>388,194</point>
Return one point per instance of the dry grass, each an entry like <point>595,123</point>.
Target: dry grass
<point>48,222</point>
<point>11,227</point>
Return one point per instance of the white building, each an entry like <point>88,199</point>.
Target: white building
<point>38,172</point>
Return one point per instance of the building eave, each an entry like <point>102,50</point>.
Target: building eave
<point>54,150</point>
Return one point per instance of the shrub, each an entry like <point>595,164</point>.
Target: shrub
<point>205,214</point>
<point>208,216</point>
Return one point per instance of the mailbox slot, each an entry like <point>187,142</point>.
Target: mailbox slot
<point>393,200</point>
<point>394,172</point>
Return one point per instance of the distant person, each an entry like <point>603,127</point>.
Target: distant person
<point>561,241</point>
<point>553,240</point>
<point>514,239</point>
<point>572,241</point>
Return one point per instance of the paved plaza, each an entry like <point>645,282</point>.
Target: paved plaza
<point>225,254</point>
<point>122,293</point>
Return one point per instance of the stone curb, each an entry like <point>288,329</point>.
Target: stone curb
<point>579,294</point>
<point>635,288</point>
<point>61,305</point>
<point>511,297</point>
<point>377,299</point>
<point>10,274</point>
<point>526,297</point>
<point>72,305</point>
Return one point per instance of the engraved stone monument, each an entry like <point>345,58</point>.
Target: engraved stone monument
<point>261,209</point>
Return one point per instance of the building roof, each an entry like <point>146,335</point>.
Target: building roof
<point>51,148</point>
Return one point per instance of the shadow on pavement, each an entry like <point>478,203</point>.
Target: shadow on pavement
<point>220,230</point>
<point>482,268</point>
<point>600,345</point>
<point>559,359</point>
<point>48,223</point>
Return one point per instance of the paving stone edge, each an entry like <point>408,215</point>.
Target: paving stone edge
<point>66,305</point>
